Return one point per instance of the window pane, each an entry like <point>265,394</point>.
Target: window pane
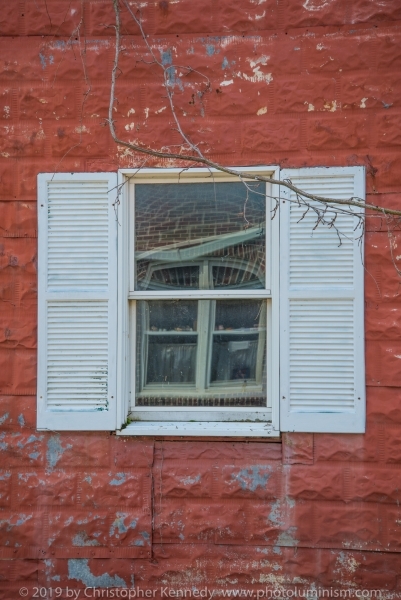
<point>167,339</point>
<point>201,353</point>
<point>200,235</point>
<point>238,338</point>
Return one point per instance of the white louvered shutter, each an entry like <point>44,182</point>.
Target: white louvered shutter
<point>77,295</point>
<point>322,376</point>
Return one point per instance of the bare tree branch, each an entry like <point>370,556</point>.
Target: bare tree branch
<point>198,158</point>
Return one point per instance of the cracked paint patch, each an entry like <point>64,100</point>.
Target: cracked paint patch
<point>78,569</point>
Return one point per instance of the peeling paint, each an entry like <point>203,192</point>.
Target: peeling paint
<point>55,450</point>
<point>226,82</point>
<point>78,569</point>
<point>252,477</point>
<point>4,418</point>
<point>363,103</point>
<point>262,111</point>
<point>118,526</point>
<point>118,479</point>
<point>82,539</point>
<point>191,480</point>
<point>287,538</point>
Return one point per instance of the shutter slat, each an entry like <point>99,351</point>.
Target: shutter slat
<point>77,343</point>
<point>322,350</point>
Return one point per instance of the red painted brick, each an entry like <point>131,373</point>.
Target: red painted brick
<point>370,484</point>
<point>38,488</point>
<point>20,529</point>
<point>369,91</point>
<point>384,405</point>
<point>21,449</point>
<point>350,526</point>
<point>127,452</point>
<point>190,522</point>
<point>265,523</point>
<point>381,275</point>
<point>23,140</point>
<point>77,450</point>
<point>315,483</point>
<point>297,448</point>
<point>248,481</point>
<point>242,99</point>
<point>388,130</point>
<point>49,103</point>
<point>19,219</point>
<point>393,529</point>
<point>98,528</point>
<point>61,572</point>
<point>181,18</point>
<point>364,11</point>
<point>392,443</point>
<point>102,17</point>
<point>5,489</point>
<point>337,133</point>
<point>78,140</point>
<point>354,447</point>
<point>271,135</point>
<point>383,368</point>
<point>304,94</point>
<point>18,570</point>
<point>248,16</point>
<point>313,13</point>
<point>16,332</point>
<point>325,54</point>
<point>220,451</point>
<point>62,19</point>
<point>114,488</point>
<point>10,16</point>
<point>383,322</point>
<point>387,173</point>
<point>389,51</point>
<point>7,178</point>
<point>194,480</point>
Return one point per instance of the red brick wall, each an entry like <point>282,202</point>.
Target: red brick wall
<point>314,83</point>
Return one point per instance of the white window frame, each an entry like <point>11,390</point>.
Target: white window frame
<point>207,422</point>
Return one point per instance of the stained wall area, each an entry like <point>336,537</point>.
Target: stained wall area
<point>291,83</point>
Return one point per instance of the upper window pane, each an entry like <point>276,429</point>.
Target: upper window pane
<point>200,235</point>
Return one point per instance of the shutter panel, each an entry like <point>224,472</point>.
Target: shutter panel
<point>77,298</point>
<point>322,377</point>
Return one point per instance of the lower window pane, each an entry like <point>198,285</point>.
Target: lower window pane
<point>201,353</point>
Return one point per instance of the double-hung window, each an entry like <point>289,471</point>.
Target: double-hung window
<point>200,293</point>
<point>171,302</point>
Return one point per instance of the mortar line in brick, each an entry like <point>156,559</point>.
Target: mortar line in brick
<point>383,525</point>
<point>347,486</point>
<point>382,443</point>
<point>280,14</point>
<point>22,30</point>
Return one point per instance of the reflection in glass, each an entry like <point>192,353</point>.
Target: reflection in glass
<point>200,235</point>
<point>201,353</point>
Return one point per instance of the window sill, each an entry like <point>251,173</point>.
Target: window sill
<point>204,429</point>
